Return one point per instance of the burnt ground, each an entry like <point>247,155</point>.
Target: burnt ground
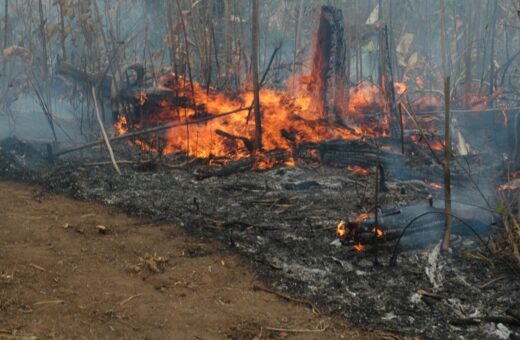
<point>283,223</point>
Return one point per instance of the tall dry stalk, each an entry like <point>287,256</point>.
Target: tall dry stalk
<point>254,66</point>
<point>446,167</point>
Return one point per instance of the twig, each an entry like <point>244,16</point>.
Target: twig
<point>130,298</point>
<point>489,283</point>
<point>446,167</point>
<point>429,294</point>
<point>287,297</point>
<point>37,267</point>
<point>401,126</point>
<point>49,302</point>
<point>104,133</point>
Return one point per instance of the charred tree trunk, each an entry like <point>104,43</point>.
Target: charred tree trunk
<point>328,69</point>
<point>387,80</point>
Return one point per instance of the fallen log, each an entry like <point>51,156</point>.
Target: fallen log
<point>232,167</point>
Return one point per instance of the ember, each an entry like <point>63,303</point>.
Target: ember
<point>358,170</point>
<point>378,232</point>
<point>362,217</point>
<point>359,247</point>
<point>435,186</point>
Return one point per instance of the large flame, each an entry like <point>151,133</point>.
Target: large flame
<point>286,119</point>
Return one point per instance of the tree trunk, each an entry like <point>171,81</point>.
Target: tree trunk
<point>254,67</point>
<point>62,33</point>
<point>6,25</point>
<point>43,36</point>
<point>328,68</point>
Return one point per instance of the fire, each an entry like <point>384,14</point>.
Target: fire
<point>434,185</point>
<point>283,115</point>
<point>341,229</point>
<point>400,88</point>
<point>436,144</point>
<point>141,97</point>
<point>508,186</point>
<point>378,232</point>
<point>358,247</point>
<point>361,217</point>
<point>358,170</point>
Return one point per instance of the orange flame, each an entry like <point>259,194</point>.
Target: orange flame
<point>506,187</point>
<point>341,229</point>
<point>434,185</point>
<point>296,116</point>
<point>358,170</point>
<point>378,232</point>
<point>361,217</point>
<point>359,247</point>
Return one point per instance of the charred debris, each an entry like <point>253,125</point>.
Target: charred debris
<point>362,155</point>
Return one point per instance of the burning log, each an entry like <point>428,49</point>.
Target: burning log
<point>328,71</point>
<point>232,167</point>
<point>247,143</point>
<point>391,222</point>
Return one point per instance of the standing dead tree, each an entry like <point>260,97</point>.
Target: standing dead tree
<point>328,69</point>
<point>387,80</point>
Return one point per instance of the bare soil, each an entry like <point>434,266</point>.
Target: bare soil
<point>61,278</point>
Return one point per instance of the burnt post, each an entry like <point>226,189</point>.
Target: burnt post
<point>328,69</point>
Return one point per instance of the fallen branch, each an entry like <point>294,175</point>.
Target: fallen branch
<point>478,320</point>
<point>493,110</point>
<point>150,130</point>
<point>104,133</point>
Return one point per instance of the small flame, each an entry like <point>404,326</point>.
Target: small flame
<point>358,247</point>
<point>378,232</point>
<point>400,88</point>
<point>435,186</point>
<point>141,97</point>
<point>341,229</point>
<point>505,187</point>
<point>361,217</point>
<point>358,170</point>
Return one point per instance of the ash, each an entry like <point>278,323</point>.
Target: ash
<point>283,223</point>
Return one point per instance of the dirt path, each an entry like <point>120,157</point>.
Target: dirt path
<point>60,278</point>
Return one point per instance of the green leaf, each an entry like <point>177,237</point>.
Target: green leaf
<point>501,208</point>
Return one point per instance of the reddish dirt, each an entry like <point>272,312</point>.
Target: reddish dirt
<point>60,278</point>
